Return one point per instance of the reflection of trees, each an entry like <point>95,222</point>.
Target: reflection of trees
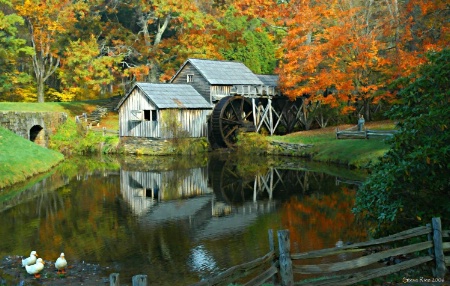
<point>318,218</point>
<point>51,216</point>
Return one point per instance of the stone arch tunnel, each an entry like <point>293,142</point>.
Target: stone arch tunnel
<point>34,126</point>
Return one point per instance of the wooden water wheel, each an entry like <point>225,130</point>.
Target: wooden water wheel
<point>232,114</point>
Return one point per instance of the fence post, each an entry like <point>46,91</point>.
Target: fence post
<point>139,280</point>
<point>438,247</point>
<point>272,248</point>
<point>114,279</point>
<point>104,131</point>
<point>287,277</point>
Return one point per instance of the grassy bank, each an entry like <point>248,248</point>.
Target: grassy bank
<point>71,108</point>
<point>326,148</point>
<point>20,158</point>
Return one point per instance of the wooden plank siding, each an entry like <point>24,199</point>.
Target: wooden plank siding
<point>220,90</point>
<point>198,81</point>
<point>128,123</point>
<point>143,189</point>
<point>194,121</point>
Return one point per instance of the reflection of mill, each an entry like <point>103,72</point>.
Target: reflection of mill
<point>144,189</point>
<point>222,185</point>
<point>211,200</point>
<point>232,186</point>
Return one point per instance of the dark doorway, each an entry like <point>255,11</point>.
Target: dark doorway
<point>37,135</point>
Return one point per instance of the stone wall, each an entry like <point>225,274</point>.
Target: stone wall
<point>148,146</point>
<point>35,126</point>
<point>289,149</point>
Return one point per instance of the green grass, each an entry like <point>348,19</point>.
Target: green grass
<point>351,152</point>
<point>71,108</point>
<point>20,158</point>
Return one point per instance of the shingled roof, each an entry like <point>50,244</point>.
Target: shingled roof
<point>223,72</point>
<point>165,95</point>
<point>269,80</point>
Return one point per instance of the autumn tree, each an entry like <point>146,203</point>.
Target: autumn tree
<point>356,47</point>
<point>335,45</point>
<point>196,37</point>
<point>155,21</point>
<point>48,21</point>
<point>11,49</point>
<point>86,70</point>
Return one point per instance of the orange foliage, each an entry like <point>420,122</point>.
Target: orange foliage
<point>357,47</point>
<point>318,221</point>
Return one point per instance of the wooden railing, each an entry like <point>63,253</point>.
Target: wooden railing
<point>354,133</point>
<point>361,260</point>
<point>105,131</point>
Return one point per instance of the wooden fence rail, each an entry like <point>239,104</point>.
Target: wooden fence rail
<point>105,131</point>
<point>354,133</point>
<point>357,262</point>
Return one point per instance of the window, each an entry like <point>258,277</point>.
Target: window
<point>150,115</point>
<point>147,115</point>
<point>190,78</point>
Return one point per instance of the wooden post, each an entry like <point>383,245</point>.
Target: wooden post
<point>272,248</point>
<point>114,279</point>
<point>269,107</point>
<point>139,280</point>
<point>284,244</point>
<point>438,248</point>
<point>430,238</point>
<point>255,115</point>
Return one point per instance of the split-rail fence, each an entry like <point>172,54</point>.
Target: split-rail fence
<point>354,133</point>
<point>424,245</point>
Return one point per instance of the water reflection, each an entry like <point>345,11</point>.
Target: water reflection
<point>176,220</point>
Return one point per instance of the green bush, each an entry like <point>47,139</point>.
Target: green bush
<point>252,143</point>
<point>410,184</point>
<point>73,138</point>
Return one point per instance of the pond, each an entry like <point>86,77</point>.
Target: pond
<point>177,220</point>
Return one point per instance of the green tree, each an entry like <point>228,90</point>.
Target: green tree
<point>11,48</point>
<point>411,182</point>
<point>248,42</point>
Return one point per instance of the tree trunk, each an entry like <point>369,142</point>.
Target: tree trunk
<point>40,89</point>
<point>367,113</point>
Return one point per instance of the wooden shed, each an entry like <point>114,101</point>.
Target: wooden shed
<point>215,79</point>
<point>148,109</point>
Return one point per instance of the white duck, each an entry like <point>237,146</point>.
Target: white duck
<point>36,268</point>
<point>30,260</point>
<point>61,264</point>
